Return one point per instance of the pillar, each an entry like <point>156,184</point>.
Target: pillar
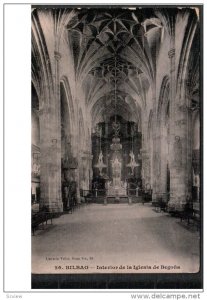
<point>144,152</point>
<point>162,187</point>
<point>156,158</point>
<point>50,143</point>
<point>179,142</point>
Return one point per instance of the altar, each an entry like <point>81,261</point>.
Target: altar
<point>116,187</point>
<point>114,190</point>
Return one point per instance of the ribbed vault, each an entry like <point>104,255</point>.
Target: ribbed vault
<point>115,50</point>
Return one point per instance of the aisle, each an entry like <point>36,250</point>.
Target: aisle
<point>107,238</point>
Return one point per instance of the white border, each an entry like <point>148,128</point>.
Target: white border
<point>17,147</point>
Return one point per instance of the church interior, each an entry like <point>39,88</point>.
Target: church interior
<point>116,114</point>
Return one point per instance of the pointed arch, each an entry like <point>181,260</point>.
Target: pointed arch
<point>64,81</point>
<point>164,96</point>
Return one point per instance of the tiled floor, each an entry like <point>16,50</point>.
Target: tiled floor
<point>116,238</point>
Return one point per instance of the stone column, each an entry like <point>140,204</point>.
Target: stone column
<point>189,158</point>
<point>179,143</point>
<point>163,161</point>
<point>179,168</point>
<point>145,167</point>
<point>50,139</point>
<point>155,161</point>
<point>90,171</point>
<point>77,176</point>
<point>144,154</point>
<point>171,55</point>
<point>86,165</point>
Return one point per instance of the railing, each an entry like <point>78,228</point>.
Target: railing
<point>104,192</point>
<point>93,193</point>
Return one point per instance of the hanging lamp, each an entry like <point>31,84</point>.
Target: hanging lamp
<point>115,146</point>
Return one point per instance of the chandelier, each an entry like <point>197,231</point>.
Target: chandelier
<point>115,146</point>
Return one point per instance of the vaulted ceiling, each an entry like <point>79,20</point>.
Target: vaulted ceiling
<point>114,58</point>
<point>115,52</point>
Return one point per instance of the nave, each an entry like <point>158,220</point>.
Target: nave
<point>116,105</point>
<point>116,132</point>
<point>115,235</point>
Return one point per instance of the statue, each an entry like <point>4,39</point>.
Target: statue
<point>100,165</point>
<point>100,159</point>
<point>116,171</point>
<point>116,164</point>
<point>131,154</point>
<point>132,163</point>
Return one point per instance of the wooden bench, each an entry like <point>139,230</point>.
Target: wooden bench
<point>160,205</point>
<point>186,213</point>
<point>40,218</point>
<point>195,217</point>
<point>190,213</point>
<point>146,196</point>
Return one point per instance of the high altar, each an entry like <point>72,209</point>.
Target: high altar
<point>116,187</point>
<point>115,156</point>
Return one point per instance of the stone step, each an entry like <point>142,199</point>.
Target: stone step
<point>113,199</point>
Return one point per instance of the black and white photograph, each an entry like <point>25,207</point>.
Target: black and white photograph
<point>116,144</point>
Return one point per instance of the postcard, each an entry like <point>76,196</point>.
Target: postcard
<point>116,140</point>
